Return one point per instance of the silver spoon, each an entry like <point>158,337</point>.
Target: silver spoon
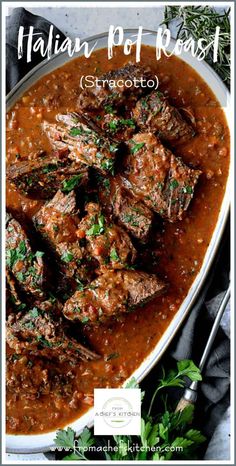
<point>190,393</point>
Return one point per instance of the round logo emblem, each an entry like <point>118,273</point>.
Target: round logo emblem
<point>119,412</point>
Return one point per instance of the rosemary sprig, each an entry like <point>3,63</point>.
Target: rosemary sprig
<point>200,22</point>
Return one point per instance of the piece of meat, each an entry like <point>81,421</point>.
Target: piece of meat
<point>111,294</point>
<point>26,265</point>
<point>155,114</point>
<point>108,243</point>
<point>42,332</point>
<point>57,221</point>
<point>130,213</point>
<point>86,145</point>
<point>161,180</point>
<point>43,176</point>
<point>116,88</point>
<point>13,299</point>
<point>116,127</point>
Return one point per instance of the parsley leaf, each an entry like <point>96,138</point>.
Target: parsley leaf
<point>76,131</point>
<point>109,109</point>
<point>132,383</point>
<point>195,436</point>
<point>112,356</point>
<point>65,438</point>
<point>34,313</point>
<point>97,228</point>
<point>43,342</point>
<point>67,256</point>
<point>136,147</point>
<point>188,189</point>
<point>39,254</point>
<point>128,122</point>
<point>108,164</point>
<point>71,184</point>
<point>114,256</point>
<point>17,254</point>
<point>187,368</point>
<point>174,184</point>
<point>85,320</point>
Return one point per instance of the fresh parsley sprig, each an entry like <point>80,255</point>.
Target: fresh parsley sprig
<point>168,429</point>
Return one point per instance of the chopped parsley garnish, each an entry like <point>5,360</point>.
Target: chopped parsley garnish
<point>109,109</point>
<point>29,181</point>
<point>17,254</point>
<point>144,103</point>
<point>97,228</point>
<point>112,356</point>
<point>49,168</point>
<point>39,254</point>
<point>129,218</point>
<point>188,189</point>
<point>67,256</point>
<point>71,184</point>
<point>29,325</point>
<point>20,276</point>
<point>108,164</point>
<point>174,184</point>
<point>128,122</point>
<point>106,184</point>
<point>84,320</point>
<point>80,285</point>
<point>113,125</point>
<point>114,256</point>
<point>113,148</point>
<point>44,342</point>
<point>137,147</point>
<point>34,313</point>
<point>76,131</point>
<point>52,298</point>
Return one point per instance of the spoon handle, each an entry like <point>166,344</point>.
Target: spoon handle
<point>190,393</point>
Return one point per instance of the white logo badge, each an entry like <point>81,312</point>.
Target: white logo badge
<point>117,411</point>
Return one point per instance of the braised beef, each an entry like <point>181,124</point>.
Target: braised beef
<point>43,176</point>
<point>57,221</point>
<point>26,265</point>
<point>108,243</point>
<point>130,213</point>
<point>13,299</point>
<point>41,332</point>
<point>154,113</point>
<point>111,294</point>
<point>86,145</point>
<point>113,88</point>
<point>161,180</point>
<point>116,127</point>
